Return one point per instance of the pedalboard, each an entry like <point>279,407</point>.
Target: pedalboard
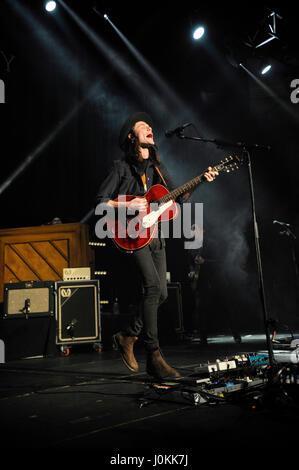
<point>226,380</point>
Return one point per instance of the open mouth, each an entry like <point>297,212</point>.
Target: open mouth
<point>150,136</point>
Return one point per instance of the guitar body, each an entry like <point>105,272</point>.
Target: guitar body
<point>131,232</point>
<point>128,231</point>
<point>156,192</point>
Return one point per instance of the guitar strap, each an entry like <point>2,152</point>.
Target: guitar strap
<point>144,179</point>
<point>144,182</point>
<point>161,175</point>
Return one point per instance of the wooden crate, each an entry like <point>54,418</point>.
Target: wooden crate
<point>41,253</point>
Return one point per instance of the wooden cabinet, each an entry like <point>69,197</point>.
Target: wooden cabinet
<point>41,253</point>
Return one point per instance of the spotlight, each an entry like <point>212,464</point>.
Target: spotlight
<point>266,69</point>
<point>106,17</point>
<point>50,6</point>
<point>198,32</point>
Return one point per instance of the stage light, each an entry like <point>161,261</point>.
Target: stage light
<point>50,6</point>
<point>289,109</point>
<point>106,16</point>
<point>266,41</point>
<point>266,69</point>
<point>198,32</point>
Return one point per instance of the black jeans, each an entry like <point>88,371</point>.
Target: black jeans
<point>151,262</point>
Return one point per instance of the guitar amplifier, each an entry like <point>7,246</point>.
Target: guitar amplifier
<point>77,312</point>
<point>170,317</point>
<point>174,305</point>
<point>76,274</point>
<point>28,299</point>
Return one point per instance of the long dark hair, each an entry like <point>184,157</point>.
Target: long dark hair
<point>131,150</point>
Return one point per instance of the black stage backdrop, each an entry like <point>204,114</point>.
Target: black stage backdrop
<point>70,82</point>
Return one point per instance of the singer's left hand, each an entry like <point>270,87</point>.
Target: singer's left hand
<point>211,174</point>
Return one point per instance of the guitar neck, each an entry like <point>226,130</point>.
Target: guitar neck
<point>229,164</point>
<point>182,189</point>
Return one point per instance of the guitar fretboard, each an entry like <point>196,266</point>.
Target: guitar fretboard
<point>186,187</point>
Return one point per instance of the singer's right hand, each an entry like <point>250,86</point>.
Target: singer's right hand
<point>137,204</point>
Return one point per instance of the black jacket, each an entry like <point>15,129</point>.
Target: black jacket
<point>124,178</point>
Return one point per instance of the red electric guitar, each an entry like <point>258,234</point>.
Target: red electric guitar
<point>131,232</point>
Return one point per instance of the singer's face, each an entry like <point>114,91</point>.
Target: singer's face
<point>144,134</point>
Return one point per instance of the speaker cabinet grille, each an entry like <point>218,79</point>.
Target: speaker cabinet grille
<point>77,312</point>
<point>28,299</point>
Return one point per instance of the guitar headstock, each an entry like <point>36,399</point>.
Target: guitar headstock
<point>230,163</point>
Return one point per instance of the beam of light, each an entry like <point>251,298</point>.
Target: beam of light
<point>198,33</point>
<point>68,63</point>
<point>87,216</point>
<point>173,99</point>
<point>43,145</point>
<point>69,66</point>
<point>156,94</point>
<point>124,69</point>
<point>109,53</point>
<point>132,78</point>
<point>50,6</point>
<point>158,80</point>
<point>266,41</point>
<point>271,93</point>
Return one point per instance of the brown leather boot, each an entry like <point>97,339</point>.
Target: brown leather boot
<point>125,344</point>
<point>158,367</point>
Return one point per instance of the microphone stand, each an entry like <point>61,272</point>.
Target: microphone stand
<point>223,143</point>
<point>267,321</point>
<point>246,150</point>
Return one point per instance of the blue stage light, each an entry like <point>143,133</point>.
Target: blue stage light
<point>198,32</point>
<point>266,69</point>
<point>50,6</point>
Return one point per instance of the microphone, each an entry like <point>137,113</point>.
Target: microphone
<point>71,325</point>
<point>281,223</point>
<point>26,309</point>
<point>177,130</point>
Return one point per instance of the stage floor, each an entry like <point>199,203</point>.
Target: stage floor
<point>89,400</point>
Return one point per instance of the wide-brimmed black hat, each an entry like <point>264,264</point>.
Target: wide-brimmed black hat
<point>129,124</point>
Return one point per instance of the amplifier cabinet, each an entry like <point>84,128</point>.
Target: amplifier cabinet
<point>170,317</point>
<point>28,299</point>
<point>174,305</point>
<point>77,312</point>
